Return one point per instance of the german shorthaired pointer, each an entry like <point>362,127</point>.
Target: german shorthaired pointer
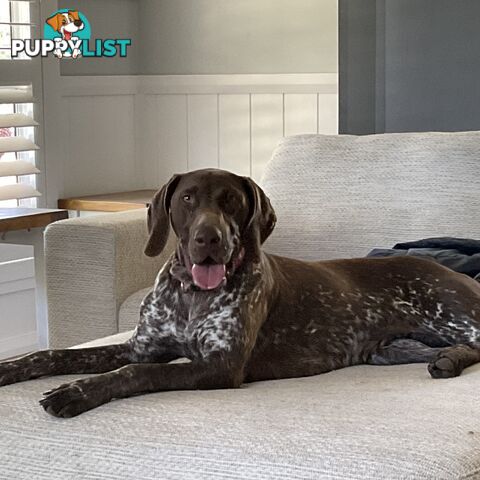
<point>241,315</point>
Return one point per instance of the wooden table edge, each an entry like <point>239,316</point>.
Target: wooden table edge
<point>36,220</point>
<point>98,205</point>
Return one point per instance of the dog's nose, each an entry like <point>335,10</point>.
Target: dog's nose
<point>208,235</point>
<point>77,23</point>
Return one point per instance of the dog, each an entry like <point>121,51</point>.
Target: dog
<point>241,315</point>
<point>66,24</point>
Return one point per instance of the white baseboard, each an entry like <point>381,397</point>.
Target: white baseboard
<point>18,344</point>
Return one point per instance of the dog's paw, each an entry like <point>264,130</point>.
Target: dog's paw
<point>70,399</point>
<point>448,364</point>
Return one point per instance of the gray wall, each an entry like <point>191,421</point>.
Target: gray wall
<point>240,36</point>
<point>212,36</point>
<point>420,57</point>
<point>357,46</point>
<point>432,65</point>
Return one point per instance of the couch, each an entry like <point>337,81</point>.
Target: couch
<point>335,196</point>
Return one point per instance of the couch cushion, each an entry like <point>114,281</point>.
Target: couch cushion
<point>360,422</point>
<point>341,195</point>
<point>129,312</point>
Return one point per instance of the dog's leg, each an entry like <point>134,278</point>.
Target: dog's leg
<point>401,351</point>
<point>451,361</point>
<point>443,362</point>
<point>74,398</point>
<point>62,362</point>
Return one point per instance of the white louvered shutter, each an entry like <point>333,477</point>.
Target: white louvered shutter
<point>18,128</point>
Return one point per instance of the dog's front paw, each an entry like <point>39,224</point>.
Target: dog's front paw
<point>71,399</point>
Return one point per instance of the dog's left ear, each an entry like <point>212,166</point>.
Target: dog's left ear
<point>54,22</point>
<point>74,14</point>
<point>158,220</point>
<point>262,218</point>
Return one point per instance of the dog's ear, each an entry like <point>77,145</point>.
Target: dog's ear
<point>74,14</point>
<point>54,21</point>
<point>159,218</point>
<point>261,220</point>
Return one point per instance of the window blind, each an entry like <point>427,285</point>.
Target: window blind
<point>16,142</point>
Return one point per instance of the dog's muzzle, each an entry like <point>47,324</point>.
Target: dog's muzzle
<point>211,250</point>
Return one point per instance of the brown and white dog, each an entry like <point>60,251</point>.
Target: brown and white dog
<point>67,24</point>
<point>241,315</point>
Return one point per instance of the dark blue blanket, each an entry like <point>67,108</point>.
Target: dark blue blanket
<point>459,254</point>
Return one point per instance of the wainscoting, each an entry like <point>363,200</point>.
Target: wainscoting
<point>18,329</point>
<point>125,132</point>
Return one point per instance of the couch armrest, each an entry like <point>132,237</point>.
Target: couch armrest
<point>92,265</point>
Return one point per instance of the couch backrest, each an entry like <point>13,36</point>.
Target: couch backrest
<point>340,196</point>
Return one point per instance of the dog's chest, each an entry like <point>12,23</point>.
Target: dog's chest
<point>201,322</point>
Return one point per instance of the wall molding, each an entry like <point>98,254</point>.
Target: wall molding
<point>199,84</point>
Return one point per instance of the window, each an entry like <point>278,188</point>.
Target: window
<point>20,80</point>
<point>15,22</point>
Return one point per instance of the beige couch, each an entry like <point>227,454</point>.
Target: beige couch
<point>334,196</point>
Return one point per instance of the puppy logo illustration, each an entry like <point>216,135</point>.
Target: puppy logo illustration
<point>72,27</point>
<point>67,34</point>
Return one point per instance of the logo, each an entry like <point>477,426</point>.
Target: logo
<point>67,34</point>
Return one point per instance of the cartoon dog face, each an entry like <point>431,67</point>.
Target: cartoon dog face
<point>66,23</point>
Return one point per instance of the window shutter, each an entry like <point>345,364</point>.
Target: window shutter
<point>12,142</point>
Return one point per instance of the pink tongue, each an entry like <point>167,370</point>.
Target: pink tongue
<point>208,277</point>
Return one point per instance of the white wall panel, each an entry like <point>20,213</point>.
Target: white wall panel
<point>99,151</point>
<point>18,329</point>
<point>147,149</point>
<point>267,129</point>
<point>328,114</point>
<point>121,133</point>
<point>234,133</point>
<point>171,132</point>
<point>300,113</point>
<point>202,131</point>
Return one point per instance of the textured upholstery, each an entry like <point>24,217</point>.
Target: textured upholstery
<point>340,196</point>
<point>92,265</point>
<point>366,422</point>
<point>130,309</point>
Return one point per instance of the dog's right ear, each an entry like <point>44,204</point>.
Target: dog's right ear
<point>159,218</point>
<point>54,22</point>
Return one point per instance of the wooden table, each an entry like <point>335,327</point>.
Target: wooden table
<point>109,202</point>
<point>26,218</point>
<point>24,226</point>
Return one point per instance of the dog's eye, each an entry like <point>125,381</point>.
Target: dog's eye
<point>64,21</point>
<point>187,198</point>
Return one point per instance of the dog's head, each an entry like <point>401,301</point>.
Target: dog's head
<point>219,218</point>
<point>66,23</point>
